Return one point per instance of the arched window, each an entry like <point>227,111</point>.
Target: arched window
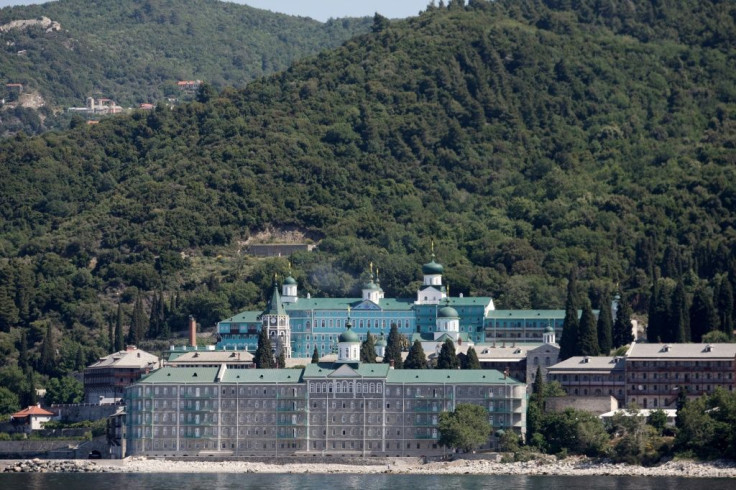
<point>378,387</point>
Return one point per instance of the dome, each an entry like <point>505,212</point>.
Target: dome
<point>381,342</point>
<point>348,336</point>
<point>549,329</point>
<point>432,268</point>
<point>371,286</point>
<point>290,281</point>
<point>447,312</point>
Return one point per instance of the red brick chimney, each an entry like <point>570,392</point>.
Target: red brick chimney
<point>192,331</point>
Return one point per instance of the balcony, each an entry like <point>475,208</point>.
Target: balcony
<point>297,396</point>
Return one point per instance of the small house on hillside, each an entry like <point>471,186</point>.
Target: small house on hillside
<point>34,417</point>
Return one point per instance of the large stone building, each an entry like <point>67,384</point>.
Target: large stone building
<point>299,324</point>
<point>585,376</point>
<point>343,407</point>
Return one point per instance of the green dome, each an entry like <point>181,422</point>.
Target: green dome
<point>348,336</point>
<point>447,312</point>
<point>371,286</point>
<point>290,280</point>
<point>549,329</point>
<point>432,268</point>
<point>381,342</point>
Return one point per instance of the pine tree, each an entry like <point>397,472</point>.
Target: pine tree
<point>703,317</point>
<point>622,326</point>
<point>570,325</point>
<point>47,362</point>
<point>680,314</point>
<point>472,359</point>
<point>588,341</point>
<point>724,306</point>
<point>263,356</point>
<point>119,335</point>
<point>393,348</point>
<point>447,359</point>
<point>605,325</point>
<point>315,355</point>
<point>23,362</point>
<point>368,349</point>
<point>416,358</point>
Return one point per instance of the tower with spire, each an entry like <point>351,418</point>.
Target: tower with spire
<point>372,290</point>
<point>289,289</point>
<point>432,292</point>
<point>348,344</point>
<point>276,322</point>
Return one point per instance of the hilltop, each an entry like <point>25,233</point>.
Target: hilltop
<point>524,137</point>
<point>135,51</point>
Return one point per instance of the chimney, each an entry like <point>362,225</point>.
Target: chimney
<point>192,331</point>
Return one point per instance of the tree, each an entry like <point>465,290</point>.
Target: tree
<point>28,396</point>
<point>447,359</point>
<point>466,428</point>
<point>680,314</point>
<point>703,317</point>
<point>472,361</point>
<point>47,362</point>
<point>119,334</point>
<point>570,325</point>
<point>64,390</point>
<point>264,355</point>
<point>605,325</point>
<point>622,326</point>
<point>23,361</point>
<point>416,358</point>
<point>538,386</point>
<point>315,355</point>
<point>576,431</point>
<point>281,359</point>
<point>8,402</point>
<point>368,349</point>
<point>9,314</point>
<point>138,322</point>
<point>724,305</point>
<point>588,341</point>
<point>393,348</point>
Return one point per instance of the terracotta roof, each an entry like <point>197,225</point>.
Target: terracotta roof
<point>32,410</point>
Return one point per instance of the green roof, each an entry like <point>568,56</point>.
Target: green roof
<point>275,307</point>
<point>349,336</point>
<point>527,314</point>
<point>432,268</point>
<point>324,370</point>
<point>290,280</point>
<point>184,375</point>
<point>447,312</point>
<point>336,304</point>
<point>435,376</point>
<point>245,317</point>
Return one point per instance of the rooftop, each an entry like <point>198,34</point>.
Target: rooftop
<point>130,358</point>
<point>681,351</point>
<point>589,363</point>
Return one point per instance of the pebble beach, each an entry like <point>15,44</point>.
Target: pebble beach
<point>567,467</point>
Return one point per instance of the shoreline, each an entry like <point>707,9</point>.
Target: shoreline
<point>573,466</point>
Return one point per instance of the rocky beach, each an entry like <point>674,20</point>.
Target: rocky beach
<point>573,466</point>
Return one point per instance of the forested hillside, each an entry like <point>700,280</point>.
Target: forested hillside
<point>524,137</point>
<point>134,51</point>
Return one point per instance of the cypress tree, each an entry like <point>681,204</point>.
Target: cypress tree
<point>703,317</point>
<point>263,356</point>
<point>368,349</point>
<point>110,337</point>
<point>315,355</point>
<point>281,359</point>
<point>605,325</point>
<point>622,326</point>
<point>416,358</point>
<point>393,348</point>
<point>570,325</point>
<point>23,352</point>
<point>538,386</point>
<point>724,305</point>
<point>447,359</point>
<point>588,341</point>
<point>119,335</point>
<point>472,359</point>
<point>47,362</point>
<point>80,362</point>
<point>29,397</point>
<point>653,334</point>
<point>680,314</point>
<point>138,322</point>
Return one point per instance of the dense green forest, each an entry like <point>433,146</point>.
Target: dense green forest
<point>526,138</point>
<point>134,51</point>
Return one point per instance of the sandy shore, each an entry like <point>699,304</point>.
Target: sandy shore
<point>568,467</point>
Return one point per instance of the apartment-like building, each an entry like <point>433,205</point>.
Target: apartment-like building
<point>343,407</point>
<point>105,380</point>
<point>591,376</point>
<point>655,373</point>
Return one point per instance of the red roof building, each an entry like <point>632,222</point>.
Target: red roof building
<point>35,416</point>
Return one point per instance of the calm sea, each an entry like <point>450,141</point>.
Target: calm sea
<point>182,481</point>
